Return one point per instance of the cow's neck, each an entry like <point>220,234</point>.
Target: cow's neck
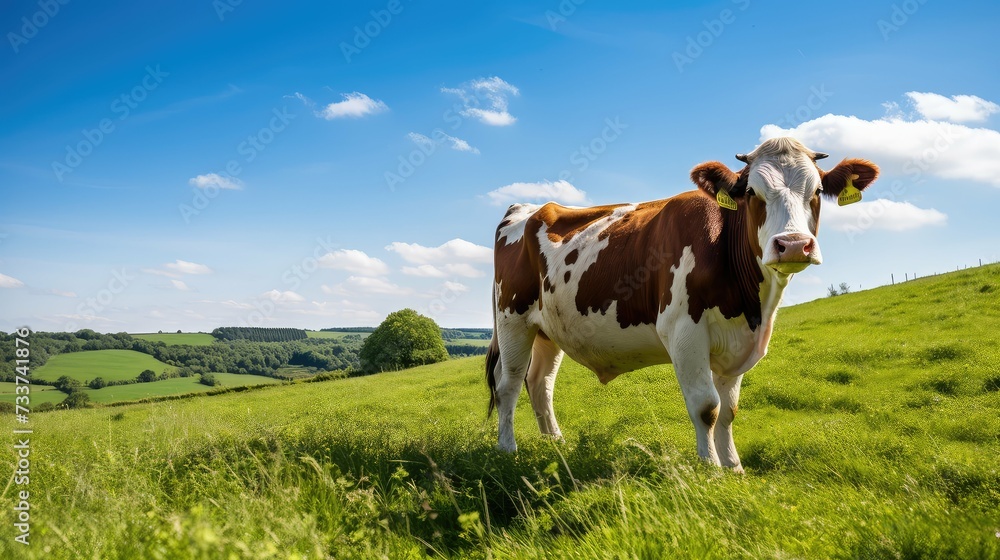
<point>754,282</point>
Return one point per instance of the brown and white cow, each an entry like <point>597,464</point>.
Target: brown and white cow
<point>681,280</point>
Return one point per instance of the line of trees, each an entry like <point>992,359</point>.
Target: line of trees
<point>259,334</point>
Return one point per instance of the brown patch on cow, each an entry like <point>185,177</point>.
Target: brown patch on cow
<point>516,270</point>
<point>542,335</point>
<point>734,409</point>
<point>815,205</point>
<point>572,256</point>
<point>710,415</point>
<point>548,286</point>
<point>562,223</point>
<point>567,276</point>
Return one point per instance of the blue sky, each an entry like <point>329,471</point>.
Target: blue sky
<point>203,164</point>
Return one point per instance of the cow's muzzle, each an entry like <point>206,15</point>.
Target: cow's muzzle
<point>793,252</point>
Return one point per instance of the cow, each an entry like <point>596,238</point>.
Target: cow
<point>694,280</point>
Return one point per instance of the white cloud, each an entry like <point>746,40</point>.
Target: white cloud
<point>879,214</point>
<point>61,293</point>
<point>354,105</point>
<point>449,252</point>
<point>430,144</point>
<point>367,285</point>
<point>8,282</point>
<point>957,108</point>
<point>456,287</point>
<point>451,269</point>
<point>424,271</point>
<point>233,304</point>
<point>185,267</point>
<point>491,93</point>
<point>559,191</point>
<point>283,297</point>
<point>180,285</point>
<point>215,180</point>
<point>354,261</point>
<point>898,146</point>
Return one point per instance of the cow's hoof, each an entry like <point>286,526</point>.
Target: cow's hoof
<point>738,469</point>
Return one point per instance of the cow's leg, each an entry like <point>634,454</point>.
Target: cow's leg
<point>689,353</point>
<point>728,388</point>
<point>545,360</point>
<point>514,337</point>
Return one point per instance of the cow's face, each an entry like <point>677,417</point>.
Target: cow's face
<point>779,191</point>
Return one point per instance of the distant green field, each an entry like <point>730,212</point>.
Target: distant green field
<point>174,386</point>
<point>333,335</point>
<point>174,339</point>
<point>39,394</point>
<point>472,341</point>
<point>112,365</point>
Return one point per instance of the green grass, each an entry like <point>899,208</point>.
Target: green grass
<point>174,339</point>
<point>334,335</point>
<point>472,341</point>
<point>112,365</point>
<point>39,394</point>
<point>869,431</point>
<point>173,386</point>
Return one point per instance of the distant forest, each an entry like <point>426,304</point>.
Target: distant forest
<point>244,350</point>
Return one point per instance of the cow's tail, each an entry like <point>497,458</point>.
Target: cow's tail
<point>492,361</point>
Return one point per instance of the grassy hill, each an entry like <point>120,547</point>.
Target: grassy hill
<point>112,365</point>
<point>173,339</point>
<point>174,386</point>
<point>869,431</point>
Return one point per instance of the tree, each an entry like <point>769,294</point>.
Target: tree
<point>67,384</point>
<point>77,399</point>
<point>146,376</point>
<point>209,379</point>
<point>405,339</point>
<point>97,383</point>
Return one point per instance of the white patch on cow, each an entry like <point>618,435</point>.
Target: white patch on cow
<point>516,216</point>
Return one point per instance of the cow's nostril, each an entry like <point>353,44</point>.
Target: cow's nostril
<point>808,248</point>
<point>779,246</point>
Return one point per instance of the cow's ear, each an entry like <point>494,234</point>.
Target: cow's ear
<point>862,172</point>
<point>714,176</point>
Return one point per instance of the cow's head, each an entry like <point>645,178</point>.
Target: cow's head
<point>779,190</point>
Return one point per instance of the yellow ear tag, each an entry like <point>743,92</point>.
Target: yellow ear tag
<point>850,194</point>
<point>724,200</point>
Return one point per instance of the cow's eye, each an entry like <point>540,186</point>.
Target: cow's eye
<point>750,192</point>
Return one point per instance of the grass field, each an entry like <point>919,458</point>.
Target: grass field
<point>174,339</point>
<point>173,386</point>
<point>39,394</point>
<point>869,431</point>
<point>112,365</point>
<point>472,341</point>
<point>334,335</point>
